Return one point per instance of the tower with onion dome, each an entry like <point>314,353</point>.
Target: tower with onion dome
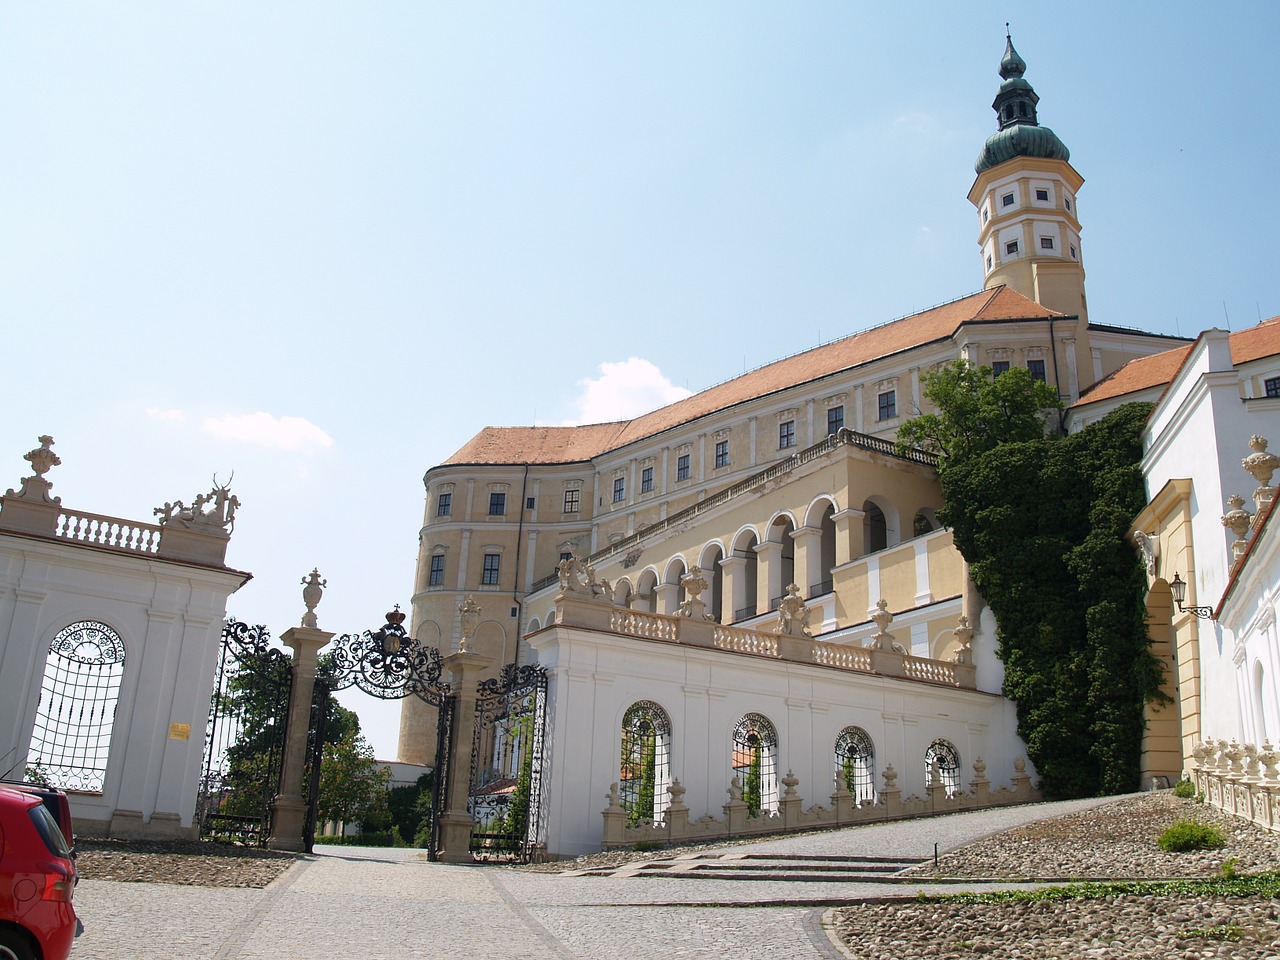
<point>1025,192</point>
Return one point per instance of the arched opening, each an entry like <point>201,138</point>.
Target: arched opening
<point>942,765</point>
<point>646,596</point>
<point>1259,703</point>
<point>711,569</point>
<point>856,764</point>
<point>924,522</point>
<point>745,586</point>
<point>672,592</point>
<point>780,532</point>
<point>646,762</point>
<point>875,530</point>
<point>71,739</point>
<point>755,762</point>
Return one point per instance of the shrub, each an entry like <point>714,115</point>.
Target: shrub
<point>1184,789</point>
<point>646,846</point>
<point>1187,835</point>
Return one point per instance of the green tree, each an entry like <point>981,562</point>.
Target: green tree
<point>1041,521</point>
<point>353,785</point>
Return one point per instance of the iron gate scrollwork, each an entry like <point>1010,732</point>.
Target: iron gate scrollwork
<point>388,664</point>
<point>507,753</point>
<point>244,735</point>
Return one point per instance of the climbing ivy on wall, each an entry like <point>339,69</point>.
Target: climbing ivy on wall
<point>1042,524</point>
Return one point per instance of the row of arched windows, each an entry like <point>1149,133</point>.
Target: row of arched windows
<point>645,771</point>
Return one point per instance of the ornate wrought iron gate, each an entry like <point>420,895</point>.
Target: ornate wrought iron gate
<point>505,798</point>
<point>245,736</point>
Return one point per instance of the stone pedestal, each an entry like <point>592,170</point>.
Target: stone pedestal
<point>289,809</point>
<point>464,670</point>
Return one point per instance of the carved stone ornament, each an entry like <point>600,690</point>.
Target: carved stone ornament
<point>632,558</point>
<point>209,512</point>
<point>793,614</point>
<point>312,591</point>
<point>469,614</point>
<point>676,792</point>
<point>36,487</point>
<point>614,797</point>
<point>1149,544</point>
<point>790,781</point>
<point>890,776</point>
<point>1261,465</point>
<point>964,635</point>
<point>882,639</point>
<point>579,580</point>
<point>694,583</point>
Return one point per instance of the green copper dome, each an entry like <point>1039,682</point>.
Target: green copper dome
<point>1020,133</point>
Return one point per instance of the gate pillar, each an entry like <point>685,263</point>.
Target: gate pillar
<point>289,809</point>
<point>456,823</point>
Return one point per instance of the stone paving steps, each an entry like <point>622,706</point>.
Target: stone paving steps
<point>764,867</point>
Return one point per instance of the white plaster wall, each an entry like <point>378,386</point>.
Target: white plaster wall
<point>594,677</point>
<point>1200,431</point>
<point>169,616</point>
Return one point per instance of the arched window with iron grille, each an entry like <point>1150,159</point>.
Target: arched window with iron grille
<point>646,762</point>
<point>71,739</point>
<point>856,763</point>
<point>947,757</point>
<point>755,762</point>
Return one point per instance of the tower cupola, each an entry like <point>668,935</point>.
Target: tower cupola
<point>1019,133</point>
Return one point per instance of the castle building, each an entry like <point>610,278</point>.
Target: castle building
<point>784,475</point>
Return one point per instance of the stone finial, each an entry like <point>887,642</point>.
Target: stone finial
<point>793,614</point>
<point>693,584</point>
<point>312,591</point>
<point>1261,465</point>
<point>1268,757</point>
<point>676,792</point>
<point>790,781</point>
<point>36,487</point>
<point>979,769</point>
<point>469,615</point>
<point>890,776</point>
<point>1235,754</point>
<point>882,639</point>
<point>1200,753</point>
<point>614,797</point>
<point>1251,761</point>
<point>964,635</point>
<point>1020,765</point>
<point>1237,520</point>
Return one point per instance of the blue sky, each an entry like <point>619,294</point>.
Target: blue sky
<point>322,244</point>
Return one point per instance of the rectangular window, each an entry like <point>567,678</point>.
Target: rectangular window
<point>722,453</point>
<point>1046,243</point>
<point>999,367</point>
<point>436,576</point>
<point>497,504</point>
<point>1272,386</point>
<point>646,480</point>
<point>1073,251</point>
<point>492,564</point>
<point>682,467</point>
<point>528,503</point>
<point>565,556</point>
<point>835,419</point>
<point>988,261</point>
<point>1042,195</point>
<point>984,214</point>
<point>786,434</point>
<point>1006,200</point>
<point>1067,202</point>
<point>619,489</point>
<point>888,405</point>
<point>444,504</point>
<point>572,501</point>
<point>1011,247</point>
<point>1036,369</point>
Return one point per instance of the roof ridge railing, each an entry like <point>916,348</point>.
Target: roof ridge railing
<point>842,437</point>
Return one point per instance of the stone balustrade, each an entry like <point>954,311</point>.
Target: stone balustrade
<point>1240,779</point>
<point>674,826</point>
<point>127,535</point>
<point>597,614</point>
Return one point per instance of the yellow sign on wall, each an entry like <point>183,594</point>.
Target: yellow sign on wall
<point>179,731</point>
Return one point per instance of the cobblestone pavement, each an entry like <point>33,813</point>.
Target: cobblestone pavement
<point>363,903</point>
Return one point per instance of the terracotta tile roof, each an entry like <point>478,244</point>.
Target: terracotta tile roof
<point>520,445</point>
<point>1159,369</point>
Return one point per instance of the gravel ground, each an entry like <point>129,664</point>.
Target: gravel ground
<point>186,862</point>
<point>1114,841</point>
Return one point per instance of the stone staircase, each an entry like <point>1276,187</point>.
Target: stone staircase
<point>763,867</point>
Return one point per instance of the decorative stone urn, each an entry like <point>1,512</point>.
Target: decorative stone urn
<point>964,634</point>
<point>469,617</point>
<point>1261,465</point>
<point>312,591</point>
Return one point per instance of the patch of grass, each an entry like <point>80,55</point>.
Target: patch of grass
<point>1230,868</point>
<point>646,846</point>
<point>1184,835</point>
<point>1261,885</point>
<point>1184,790</point>
<point>1223,931</point>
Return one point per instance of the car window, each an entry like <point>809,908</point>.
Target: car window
<point>50,832</point>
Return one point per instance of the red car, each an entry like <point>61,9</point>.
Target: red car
<point>37,880</point>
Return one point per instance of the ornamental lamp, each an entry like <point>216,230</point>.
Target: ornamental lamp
<point>1178,588</point>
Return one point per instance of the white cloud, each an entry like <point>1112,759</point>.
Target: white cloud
<point>166,416</point>
<point>291,434</point>
<point>623,390</point>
